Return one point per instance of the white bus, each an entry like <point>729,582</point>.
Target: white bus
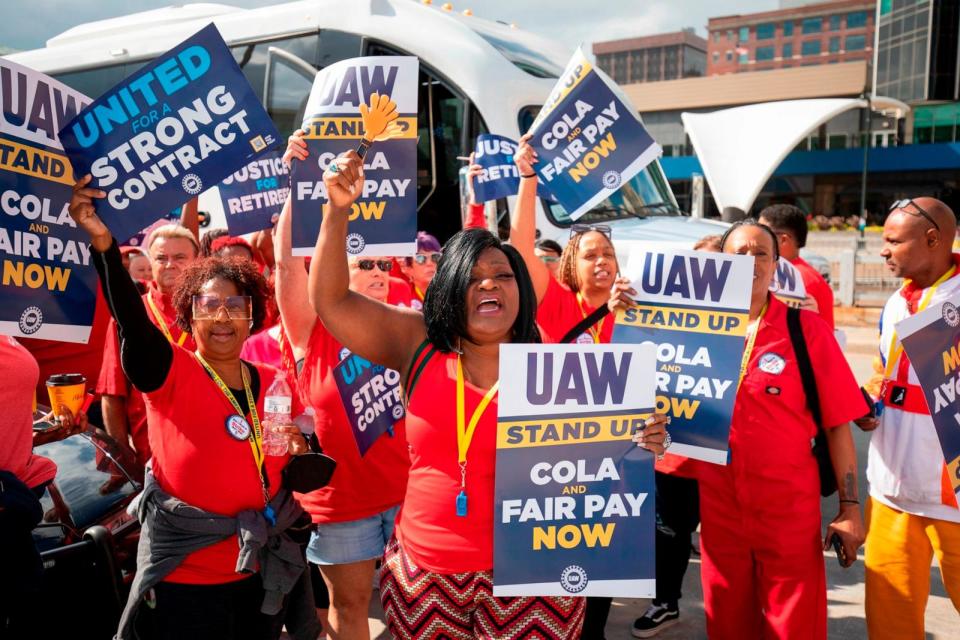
<point>476,76</point>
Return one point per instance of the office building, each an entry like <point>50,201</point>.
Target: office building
<point>666,56</point>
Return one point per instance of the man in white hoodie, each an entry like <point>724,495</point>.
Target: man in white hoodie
<point>912,513</point>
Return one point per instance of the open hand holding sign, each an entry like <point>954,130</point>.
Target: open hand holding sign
<point>379,121</point>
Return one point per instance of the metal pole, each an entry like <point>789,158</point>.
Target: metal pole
<point>866,156</point>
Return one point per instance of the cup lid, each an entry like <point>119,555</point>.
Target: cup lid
<point>66,378</point>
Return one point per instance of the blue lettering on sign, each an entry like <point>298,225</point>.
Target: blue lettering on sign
<point>46,110</point>
<point>121,107</point>
<point>356,84</point>
<point>605,378</point>
<point>786,277</point>
<point>353,367</point>
<point>705,280</point>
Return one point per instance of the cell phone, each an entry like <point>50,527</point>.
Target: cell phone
<point>838,548</point>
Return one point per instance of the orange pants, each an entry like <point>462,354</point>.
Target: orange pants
<point>900,549</point>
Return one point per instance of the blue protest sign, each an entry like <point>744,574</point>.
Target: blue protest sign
<point>175,127</point>
<point>383,220</point>
<point>252,195</point>
<point>694,307</point>
<point>500,177</point>
<point>574,496</point>
<point>371,398</point>
<point>48,286</point>
<point>931,339</point>
<point>588,138</point>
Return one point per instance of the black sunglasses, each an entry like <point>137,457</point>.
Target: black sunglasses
<point>906,202</point>
<point>368,265</point>
<point>580,229</point>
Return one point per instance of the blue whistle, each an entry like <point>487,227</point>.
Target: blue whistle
<point>270,515</point>
<point>462,504</point>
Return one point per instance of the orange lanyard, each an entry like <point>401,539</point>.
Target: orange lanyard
<point>162,323</point>
<point>596,328</point>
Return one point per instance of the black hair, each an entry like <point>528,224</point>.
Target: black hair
<point>546,244</point>
<point>751,222</point>
<point>444,305</point>
<point>206,241</point>
<point>786,217</point>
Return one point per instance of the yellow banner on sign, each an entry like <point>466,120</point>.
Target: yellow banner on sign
<point>548,431</point>
<point>351,128</point>
<point>953,470</point>
<point>37,163</point>
<point>725,323</point>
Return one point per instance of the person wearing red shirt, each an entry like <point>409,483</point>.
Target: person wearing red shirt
<point>421,268</point>
<point>436,575</point>
<point>172,249</point>
<point>207,444</point>
<point>762,552</point>
<point>790,226</point>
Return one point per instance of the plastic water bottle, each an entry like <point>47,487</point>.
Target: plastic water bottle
<point>276,413</point>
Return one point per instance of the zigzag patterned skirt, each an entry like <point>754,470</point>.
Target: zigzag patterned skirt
<point>422,605</point>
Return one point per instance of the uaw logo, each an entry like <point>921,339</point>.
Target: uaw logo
<point>192,184</point>
<point>397,411</point>
<point>355,243</point>
<point>611,179</point>
<point>258,143</point>
<point>950,314</point>
<point>573,579</point>
<point>31,320</point>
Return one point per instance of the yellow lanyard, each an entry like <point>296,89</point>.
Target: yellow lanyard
<point>256,433</point>
<point>465,432</point>
<point>751,339</point>
<point>418,293</point>
<point>595,329</point>
<point>897,349</point>
<point>163,323</point>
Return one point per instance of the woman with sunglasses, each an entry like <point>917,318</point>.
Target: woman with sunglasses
<point>436,578</point>
<point>587,271</point>
<point>208,576</point>
<point>421,268</point>
<point>354,514</point>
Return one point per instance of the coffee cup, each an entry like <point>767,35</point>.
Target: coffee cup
<point>66,390</point>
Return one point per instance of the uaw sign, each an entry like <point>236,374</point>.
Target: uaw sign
<point>574,496</point>
<point>694,307</point>
<point>169,131</point>
<point>383,220</point>
<point>588,138</point>
<point>47,284</point>
<point>255,193</point>
<point>787,284</point>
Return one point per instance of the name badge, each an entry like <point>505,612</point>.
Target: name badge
<point>771,363</point>
<point>238,427</point>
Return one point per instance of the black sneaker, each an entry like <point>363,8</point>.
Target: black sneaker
<point>655,619</point>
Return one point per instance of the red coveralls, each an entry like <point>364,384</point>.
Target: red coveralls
<point>763,567</point>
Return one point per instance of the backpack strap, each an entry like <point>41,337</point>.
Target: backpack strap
<point>593,318</point>
<point>795,329</point>
<point>420,359</point>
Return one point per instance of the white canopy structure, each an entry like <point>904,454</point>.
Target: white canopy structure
<point>740,148</point>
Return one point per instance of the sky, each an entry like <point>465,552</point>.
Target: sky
<point>27,24</point>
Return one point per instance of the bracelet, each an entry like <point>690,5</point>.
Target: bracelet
<point>532,175</point>
<point>850,501</point>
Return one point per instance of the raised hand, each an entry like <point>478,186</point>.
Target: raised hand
<point>344,180</point>
<point>525,157</point>
<point>296,148</point>
<point>84,213</point>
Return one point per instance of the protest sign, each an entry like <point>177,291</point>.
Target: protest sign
<point>694,306</point>
<point>574,496</point>
<point>172,129</point>
<point>371,397</point>
<point>252,195</point>
<point>48,285</point>
<point>383,220</point>
<point>787,284</point>
<point>500,177</point>
<point>931,339</point>
<point>589,138</point>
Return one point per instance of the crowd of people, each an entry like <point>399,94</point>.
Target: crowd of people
<point>245,530</point>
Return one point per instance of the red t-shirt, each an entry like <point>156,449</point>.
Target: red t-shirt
<point>361,486</point>
<point>399,293</point>
<point>113,381</point>
<point>560,310</point>
<point>70,357</point>
<point>197,460</point>
<point>431,532</point>
<point>772,427</point>
<point>816,287</point>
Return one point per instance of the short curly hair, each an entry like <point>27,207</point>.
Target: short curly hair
<point>241,273</point>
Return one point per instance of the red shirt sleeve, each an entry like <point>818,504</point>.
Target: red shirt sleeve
<point>112,380</point>
<point>476,219</point>
<point>840,397</point>
<point>817,288</point>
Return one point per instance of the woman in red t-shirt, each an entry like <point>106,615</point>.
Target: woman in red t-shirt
<point>587,277</point>
<point>209,459</point>
<point>436,580</point>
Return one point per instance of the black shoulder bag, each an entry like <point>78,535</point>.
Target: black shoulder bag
<point>593,318</point>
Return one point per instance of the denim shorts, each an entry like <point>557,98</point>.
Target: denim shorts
<point>352,541</point>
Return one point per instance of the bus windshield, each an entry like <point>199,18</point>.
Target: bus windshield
<point>535,61</point>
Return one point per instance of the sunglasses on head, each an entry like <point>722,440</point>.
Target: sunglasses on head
<point>908,202</point>
<point>368,265</point>
<point>207,307</point>
<point>421,258</point>
<point>580,229</point>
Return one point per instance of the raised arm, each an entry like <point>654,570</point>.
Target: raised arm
<point>523,224</point>
<point>373,330</point>
<point>291,287</point>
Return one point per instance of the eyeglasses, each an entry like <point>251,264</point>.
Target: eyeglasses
<point>580,229</point>
<point>368,265</point>
<point>421,258</point>
<point>207,307</point>
<point>906,202</point>
<point>549,259</point>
